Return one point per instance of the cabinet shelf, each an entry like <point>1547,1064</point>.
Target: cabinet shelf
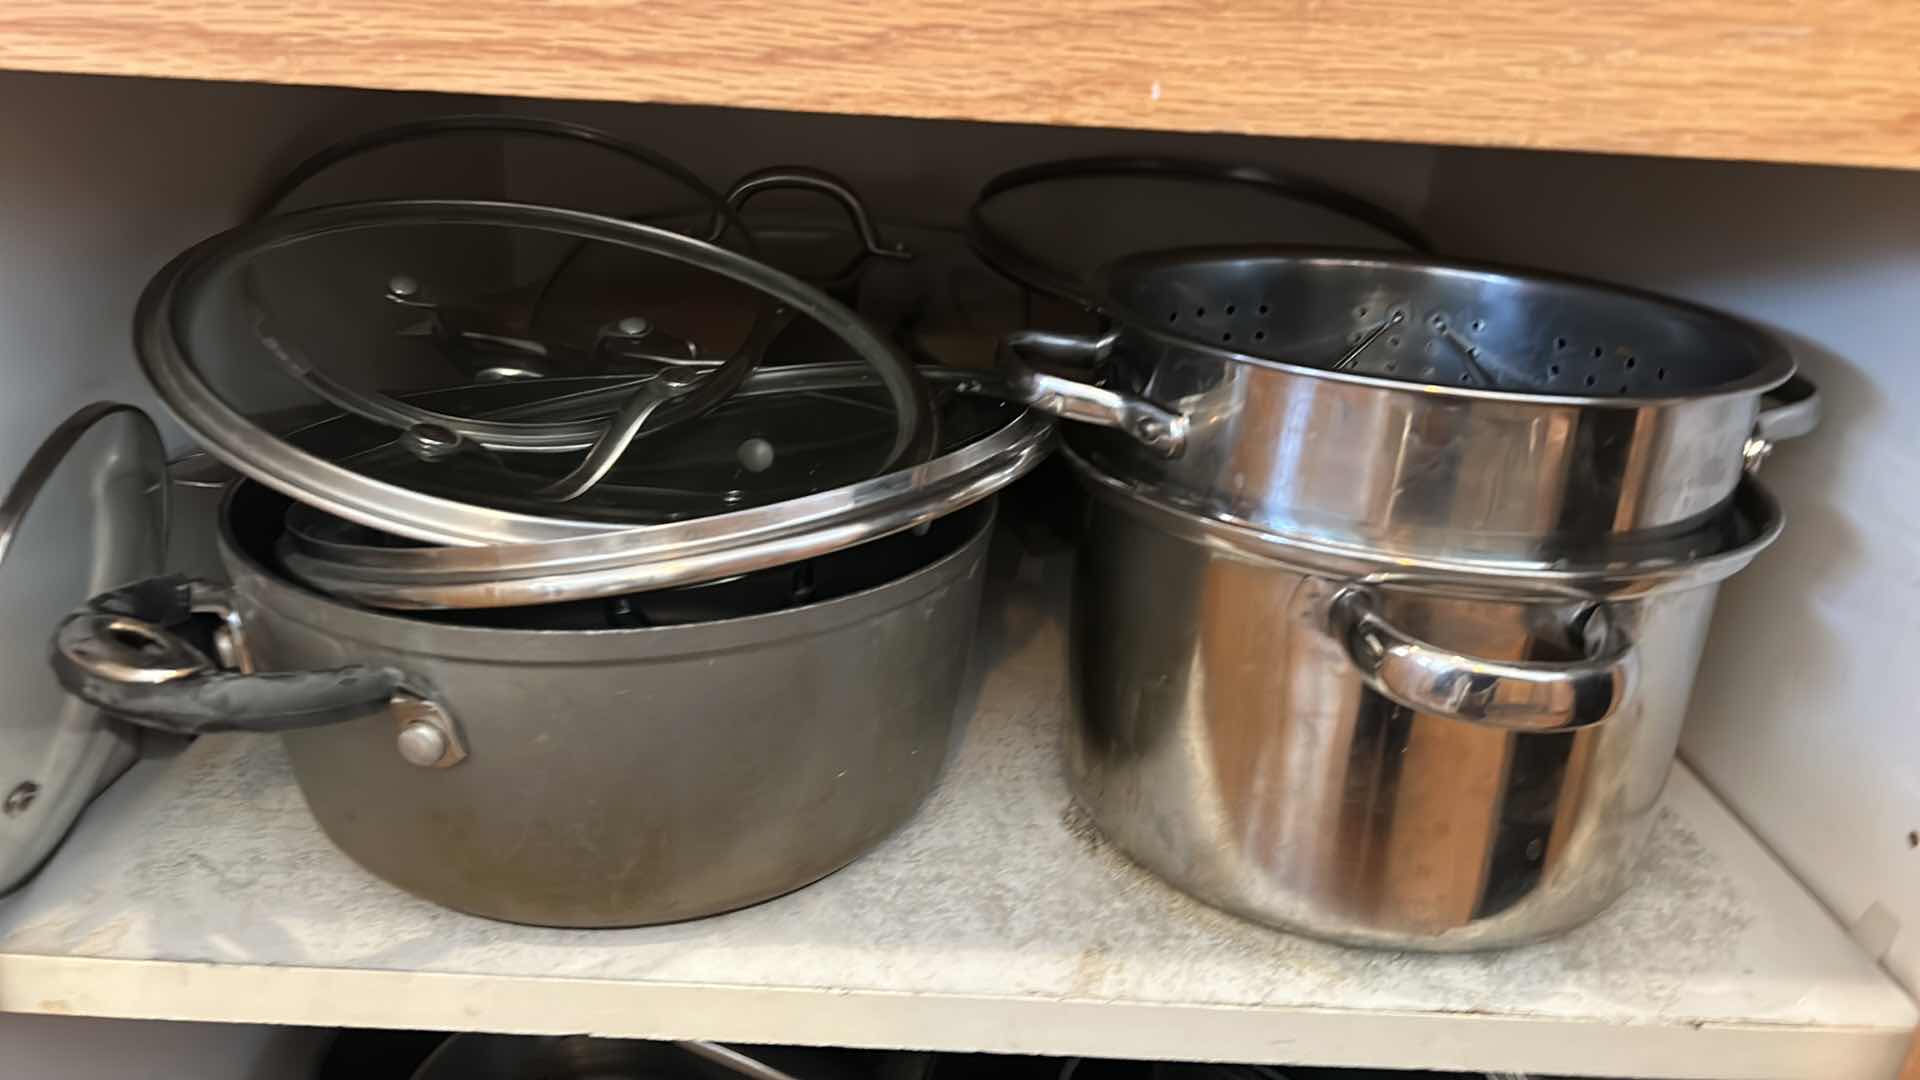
<point>199,888</point>
<point>1746,79</point>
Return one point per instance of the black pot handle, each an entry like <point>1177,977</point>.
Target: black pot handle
<point>130,652</point>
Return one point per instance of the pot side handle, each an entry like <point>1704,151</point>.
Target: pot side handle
<point>1788,411</point>
<point>1066,395</point>
<point>1513,695</point>
<point>125,652</point>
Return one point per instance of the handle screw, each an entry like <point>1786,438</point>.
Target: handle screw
<point>422,744</point>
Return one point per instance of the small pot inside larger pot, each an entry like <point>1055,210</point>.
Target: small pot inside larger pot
<point>1374,750</point>
<point>564,766</point>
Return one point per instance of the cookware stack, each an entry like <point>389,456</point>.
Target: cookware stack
<point>594,597</point>
<point>1396,575</point>
<point>601,573</point>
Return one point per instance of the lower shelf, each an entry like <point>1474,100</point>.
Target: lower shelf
<point>199,888</point>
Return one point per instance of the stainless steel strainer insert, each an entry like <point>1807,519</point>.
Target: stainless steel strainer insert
<point>1442,324</point>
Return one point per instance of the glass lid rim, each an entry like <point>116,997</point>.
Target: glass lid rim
<point>1028,268</point>
<point>1025,431</point>
<point>57,447</point>
<point>231,437</point>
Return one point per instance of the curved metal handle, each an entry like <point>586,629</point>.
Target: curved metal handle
<point>800,178</point>
<point>669,385</point>
<point>1068,397</point>
<point>1788,411</point>
<point>125,653</point>
<point>1513,695</point>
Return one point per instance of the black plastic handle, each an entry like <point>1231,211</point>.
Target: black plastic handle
<point>127,652</point>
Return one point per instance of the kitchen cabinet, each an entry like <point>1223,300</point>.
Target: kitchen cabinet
<point>1776,924</point>
<point>1749,79</point>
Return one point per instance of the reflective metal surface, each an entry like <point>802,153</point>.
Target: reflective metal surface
<point>1504,415</point>
<point>1231,735</point>
<point>1513,694</point>
<point>1159,430</point>
<point>994,446</point>
<point>626,774</point>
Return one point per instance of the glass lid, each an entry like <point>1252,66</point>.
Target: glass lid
<point>87,513</point>
<point>375,310</point>
<point>1051,226</point>
<point>775,474</point>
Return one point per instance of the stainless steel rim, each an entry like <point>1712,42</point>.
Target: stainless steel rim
<point>1775,366</point>
<point>687,552</point>
<point>282,597</point>
<point>231,437</point>
<point>1602,577</point>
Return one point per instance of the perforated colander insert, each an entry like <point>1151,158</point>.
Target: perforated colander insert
<point>1442,325</point>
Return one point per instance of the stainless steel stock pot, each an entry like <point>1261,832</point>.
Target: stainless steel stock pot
<point>1415,752</point>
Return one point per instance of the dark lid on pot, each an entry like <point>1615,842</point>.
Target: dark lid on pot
<point>1052,226</point>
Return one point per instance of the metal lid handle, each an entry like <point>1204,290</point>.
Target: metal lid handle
<point>798,178</point>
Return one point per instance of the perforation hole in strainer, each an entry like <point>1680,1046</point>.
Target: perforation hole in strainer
<point>1397,340</point>
<point>1443,326</point>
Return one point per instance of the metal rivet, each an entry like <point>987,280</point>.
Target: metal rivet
<point>402,286</point>
<point>20,798</point>
<point>756,455</point>
<point>634,326</point>
<point>422,744</point>
<point>430,442</point>
<point>680,377</point>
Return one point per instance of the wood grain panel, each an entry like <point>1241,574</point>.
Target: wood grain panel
<point>1788,80</point>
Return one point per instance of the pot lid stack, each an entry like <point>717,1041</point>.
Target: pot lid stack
<point>639,420</point>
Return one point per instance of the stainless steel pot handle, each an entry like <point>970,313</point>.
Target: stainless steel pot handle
<point>1788,411</point>
<point>127,652</point>
<point>1513,695</point>
<point>1069,397</point>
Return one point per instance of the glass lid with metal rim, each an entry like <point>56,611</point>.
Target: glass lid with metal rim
<point>88,512</point>
<point>360,308</point>
<point>1052,226</point>
<point>761,482</point>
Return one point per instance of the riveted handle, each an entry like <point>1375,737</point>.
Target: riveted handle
<point>127,652</point>
<point>1066,395</point>
<point>1513,695</point>
<point>1788,411</point>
